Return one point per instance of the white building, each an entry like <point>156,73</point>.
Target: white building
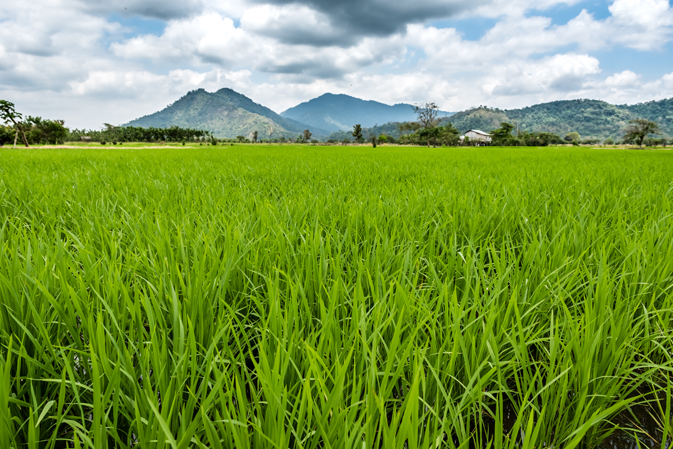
<point>478,136</point>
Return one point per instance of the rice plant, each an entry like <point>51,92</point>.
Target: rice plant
<point>335,297</point>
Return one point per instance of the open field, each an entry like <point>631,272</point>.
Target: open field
<point>335,297</point>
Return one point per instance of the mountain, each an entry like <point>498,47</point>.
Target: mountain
<point>341,112</point>
<point>226,114</point>
<point>590,118</point>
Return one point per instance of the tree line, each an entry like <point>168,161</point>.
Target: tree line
<point>114,134</point>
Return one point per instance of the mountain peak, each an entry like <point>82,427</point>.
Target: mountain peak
<point>339,112</point>
<point>226,113</point>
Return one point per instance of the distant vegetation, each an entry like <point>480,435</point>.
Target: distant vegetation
<point>32,130</point>
<point>137,134</point>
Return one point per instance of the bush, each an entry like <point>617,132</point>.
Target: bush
<point>6,135</point>
<point>102,142</point>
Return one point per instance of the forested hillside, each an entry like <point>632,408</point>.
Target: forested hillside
<point>657,111</point>
<point>590,118</point>
<point>226,114</point>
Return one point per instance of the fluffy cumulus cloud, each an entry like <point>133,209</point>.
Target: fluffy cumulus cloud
<point>562,73</point>
<point>65,58</point>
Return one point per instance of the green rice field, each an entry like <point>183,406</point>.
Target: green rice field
<point>255,296</point>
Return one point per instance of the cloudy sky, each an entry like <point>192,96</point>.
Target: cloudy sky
<point>95,61</point>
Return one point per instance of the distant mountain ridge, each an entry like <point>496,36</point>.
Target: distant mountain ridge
<point>341,112</point>
<point>226,114</point>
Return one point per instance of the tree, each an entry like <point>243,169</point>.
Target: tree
<point>572,138</point>
<point>547,139</point>
<point>503,135</point>
<point>429,136</point>
<point>427,114</point>
<point>373,141</point>
<point>408,126</point>
<point>254,137</point>
<point>307,135</point>
<point>53,132</point>
<point>639,129</point>
<point>357,133</point>
<point>6,135</point>
<point>449,135</point>
<point>8,114</point>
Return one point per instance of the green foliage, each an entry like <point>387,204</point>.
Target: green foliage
<point>639,129</point>
<point>138,134</point>
<point>283,297</point>
<point>8,113</point>
<point>444,135</point>
<point>357,133</point>
<point>6,135</point>
<point>503,136</point>
<point>42,131</point>
<point>572,137</point>
<point>389,129</point>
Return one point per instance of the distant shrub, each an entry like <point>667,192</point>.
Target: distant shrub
<point>102,142</point>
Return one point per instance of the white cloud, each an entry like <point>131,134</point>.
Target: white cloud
<point>209,38</point>
<point>626,78</point>
<point>562,73</point>
<point>641,24</point>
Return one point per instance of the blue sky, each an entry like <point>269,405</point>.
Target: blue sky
<point>96,61</point>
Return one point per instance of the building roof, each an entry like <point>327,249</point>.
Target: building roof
<point>478,132</point>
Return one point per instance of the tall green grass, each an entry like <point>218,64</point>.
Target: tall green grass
<point>309,297</point>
